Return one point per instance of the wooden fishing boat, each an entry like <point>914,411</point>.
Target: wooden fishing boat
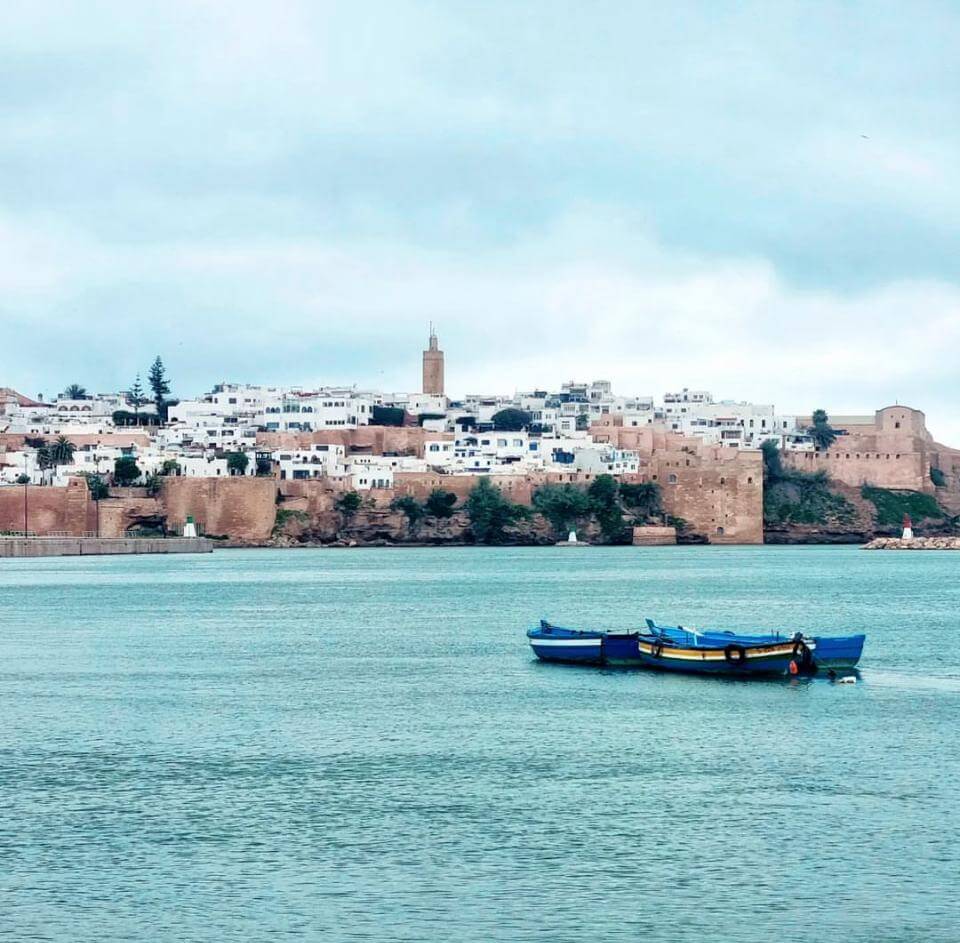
<point>633,649</point>
<point>555,643</point>
<point>819,652</point>
<point>734,658</point>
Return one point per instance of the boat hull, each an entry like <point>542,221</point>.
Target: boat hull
<point>732,659</point>
<point>571,646</point>
<point>838,652</point>
<point>587,651</point>
<point>825,652</point>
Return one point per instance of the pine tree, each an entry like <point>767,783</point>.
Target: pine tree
<point>135,397</point>
<point>158,383</point>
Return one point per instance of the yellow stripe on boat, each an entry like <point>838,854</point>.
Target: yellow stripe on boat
<point>716,654</point>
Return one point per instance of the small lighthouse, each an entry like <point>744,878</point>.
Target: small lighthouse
<point>907,528</point>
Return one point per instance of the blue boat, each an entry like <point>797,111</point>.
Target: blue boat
<point>554,643</point>
<point>633,649</point>
<point>819,652</point>
<point>735,658</point>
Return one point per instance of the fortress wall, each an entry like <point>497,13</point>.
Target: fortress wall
<point>49,510</point>
<point>242,508</point>
<point>861,462</point>
<point>719,497</point>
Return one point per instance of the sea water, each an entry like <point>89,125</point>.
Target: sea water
<point>359,745</point>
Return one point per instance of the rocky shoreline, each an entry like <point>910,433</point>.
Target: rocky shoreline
<point>915,543</point>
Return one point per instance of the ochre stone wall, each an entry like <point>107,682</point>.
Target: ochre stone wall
<point>896,451</point>
<point>718,493</point>
<point>719,497</point>
<point>856,460</point>
<point>128,508</point>
<point>49,510</point>
<point>243,509</point>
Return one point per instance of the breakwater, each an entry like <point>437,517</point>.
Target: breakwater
<point>915,543</point>
<point>96,546</point>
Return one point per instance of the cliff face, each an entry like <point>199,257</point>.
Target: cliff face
<point>835,513</point>
<point>384,527</point>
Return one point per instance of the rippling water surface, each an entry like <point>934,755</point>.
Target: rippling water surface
<point>357,745</point>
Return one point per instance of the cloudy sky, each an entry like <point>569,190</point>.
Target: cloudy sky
<point>761,199</point>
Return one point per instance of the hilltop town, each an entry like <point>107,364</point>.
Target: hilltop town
<point>258,465</point>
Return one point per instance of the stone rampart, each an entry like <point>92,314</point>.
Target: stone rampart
<point>856,460</point>
<point>243,508</point>
<point>48,510</point>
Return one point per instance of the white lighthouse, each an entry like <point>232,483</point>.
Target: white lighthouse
<point>907,527</point>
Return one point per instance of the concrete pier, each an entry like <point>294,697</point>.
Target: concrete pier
<point>96,546</point>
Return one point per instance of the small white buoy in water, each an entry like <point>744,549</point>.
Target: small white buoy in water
<point>847,679</point>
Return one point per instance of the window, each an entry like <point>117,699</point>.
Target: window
<point>672,479</point>
<point>896,425</point>
<point>719,531</point>
<point>750,480</point>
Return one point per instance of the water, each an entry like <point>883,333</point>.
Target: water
<point>357,745</point>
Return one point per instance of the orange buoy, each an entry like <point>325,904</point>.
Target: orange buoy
<point>794,668</point>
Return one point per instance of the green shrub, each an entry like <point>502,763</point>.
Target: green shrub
<point>387,416</point>
<point>97,486</point>
<point>349,503</point>
<point>562,505</point>
<point>605,501</point>
<point>643,499</point>
<point>511,419</point>
<point>125,470</point>
<point>490,512</point>
<point>892,504</point>
<point>440,503</point>
<point>410,506</point>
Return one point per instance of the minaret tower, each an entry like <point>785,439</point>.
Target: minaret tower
<point>433,366</point>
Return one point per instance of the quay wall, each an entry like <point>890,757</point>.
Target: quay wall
<point>90,546</point>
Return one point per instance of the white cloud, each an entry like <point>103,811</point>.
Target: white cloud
<point>553,307</point>
<point>664,196</point>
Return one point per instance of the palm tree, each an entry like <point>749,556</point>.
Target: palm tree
<point>61,452</point>
<point>821,431</point>
<point>75,391</point>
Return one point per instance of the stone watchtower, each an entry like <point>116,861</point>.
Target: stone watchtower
<point>433,367</point>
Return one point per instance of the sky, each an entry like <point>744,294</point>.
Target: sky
<point>758,199</point>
